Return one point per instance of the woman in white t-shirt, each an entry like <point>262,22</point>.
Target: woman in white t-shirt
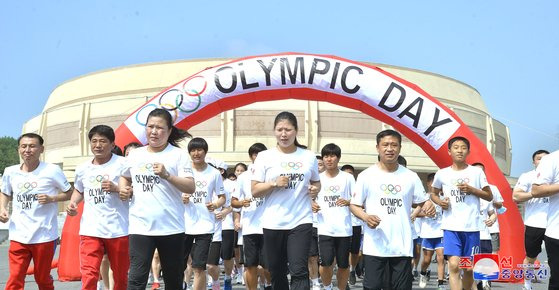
<point>159,173</point>
<point>288,177</point>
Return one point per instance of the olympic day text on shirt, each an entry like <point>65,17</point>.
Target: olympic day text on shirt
<point>94,190</point>
<point>146,177</point>
<point>23,195</point>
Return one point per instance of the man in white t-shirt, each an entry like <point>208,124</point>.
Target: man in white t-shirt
<point>252,210</point>
<point>199,213</point>
<point>547,185</point>
<point>334,218</point>
<point>35,188</point>
<point>96,183</point>
<point>461,186</point>
<point>383,197</point>
<point>535,213</point>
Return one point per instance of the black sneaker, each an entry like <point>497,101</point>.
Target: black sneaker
<point>428,274</point>
<point>352,278</point>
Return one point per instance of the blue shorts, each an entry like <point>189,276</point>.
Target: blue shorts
<point>417,241</point>
<point>461,244</point>
<point>432,244</point>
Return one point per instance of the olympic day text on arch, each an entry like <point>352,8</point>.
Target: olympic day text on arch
<point>370,85</point>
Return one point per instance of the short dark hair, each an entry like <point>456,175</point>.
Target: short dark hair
<point>389,132</point>
<point>198,143</point>
<point>31,135</point>
<point>318,157</point>
<point>102,130</point>
<point>348,166</point>
<point>242,165</point>
<point>132,145</point>
<point>331,149</point>
<point>458,138</point>
<point>116,150</point>
<point>538,153</point>
<point>402,161</point>
<point>256,148</point>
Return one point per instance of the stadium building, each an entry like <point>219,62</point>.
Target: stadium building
<point>109,96</point>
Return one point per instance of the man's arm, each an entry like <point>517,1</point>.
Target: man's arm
<point>4,214</point>
<point>544,190</point>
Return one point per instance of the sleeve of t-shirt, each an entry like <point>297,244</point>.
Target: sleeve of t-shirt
<point>358,197</point>
<point>258,169</point>
<point>237,193</point>
<point>351,185</point>
<point>184,168</point>
<point>127,164</point>
<point>220,190</point>
<point>6,188</point>
<point>497,197</point>
<point>78,180</point>
<point>60,179</point>
<point>482,179</point>
<point>315,176</point>
<point>419,194</point>
<point>523,183</point>
<point>546,171</point>
<point>437,182</point>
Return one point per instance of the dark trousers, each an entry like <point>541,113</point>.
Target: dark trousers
<point>375,271</point>
<point>288,250</point>
<point>170,250</point>
<point>552,248</point>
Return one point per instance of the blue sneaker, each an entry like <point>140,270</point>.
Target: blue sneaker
<point>227,285</point>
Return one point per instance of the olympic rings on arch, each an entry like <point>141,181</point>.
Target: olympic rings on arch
<point>145,118</point>
<point>193,85</point>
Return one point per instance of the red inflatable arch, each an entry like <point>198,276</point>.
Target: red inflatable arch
<point>355,85</point>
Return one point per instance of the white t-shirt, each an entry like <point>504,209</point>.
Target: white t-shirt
<point>31,222</point>
<point>286,208</point>
<point>548,173</point>
<point>334,220</point>
<point>105,215</point>
<point>230,186</point>
<point>535,209</point>
<point>498,198</point>
<point>388,195</point>
<point>416,227</point>
<point>484,208</point>
<point>251,216</point>
<point>463,213</point>
<point>156,207</point>
<point>431,226</point>
<point>218,225</point>
<point>209,185</point>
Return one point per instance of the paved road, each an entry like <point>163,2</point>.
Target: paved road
<point>30,284</point>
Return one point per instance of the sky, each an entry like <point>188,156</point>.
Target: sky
<point>507,50</point>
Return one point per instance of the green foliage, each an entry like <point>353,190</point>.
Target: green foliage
<point>8,152</point>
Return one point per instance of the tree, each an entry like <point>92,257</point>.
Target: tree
<point>8,152</point>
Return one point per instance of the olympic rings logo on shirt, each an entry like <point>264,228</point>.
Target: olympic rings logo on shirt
<point>201,184</point>
<point>291,165</point>
<point>177,100</point>
<point>332,188</point>
<point>460,181</point>
<point>146,168</point>
<point>26,186</point>
<point>97,180</point>
<point>390,188</point>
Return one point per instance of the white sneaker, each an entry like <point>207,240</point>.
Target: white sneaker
<point>485,285</point>
<point>315,287</point>
<point>422,281</point>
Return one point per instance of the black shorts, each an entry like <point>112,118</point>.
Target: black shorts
<point>355,240</point>
<point>533,239</point>
<point>227,244</point>
<point>485,247</point>
<point>400,272</point>
<point>198,247</point>
<point>313,250</point>
<point>213,253</point>
<point>253,246</point>
<point>330,247</point>
<point>242,255</point>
